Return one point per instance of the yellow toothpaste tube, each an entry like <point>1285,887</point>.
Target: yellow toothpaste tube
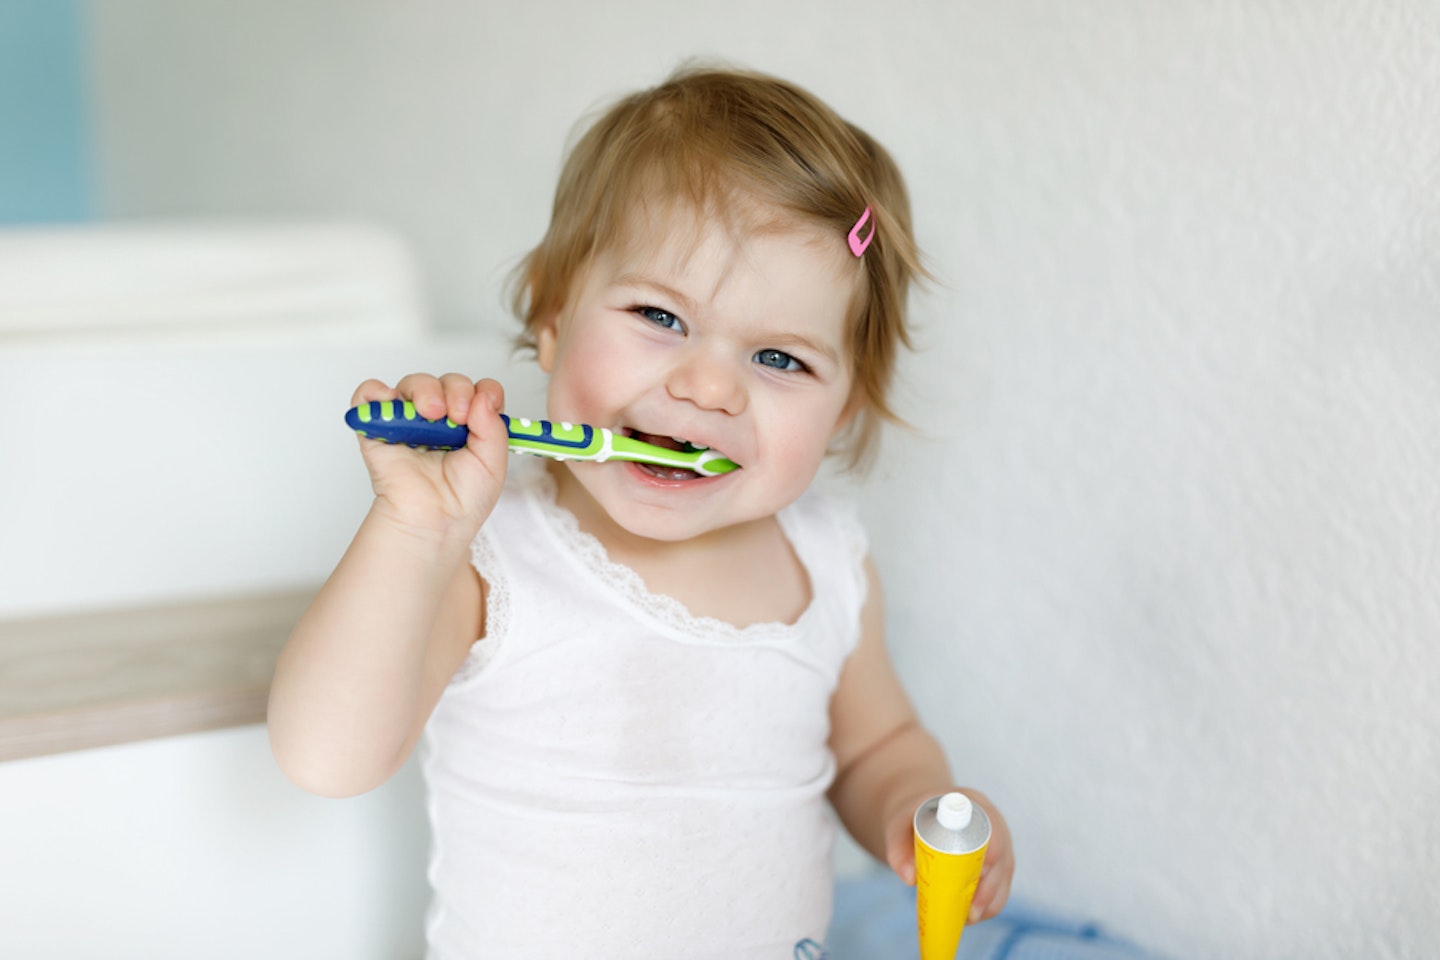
<point>951,835</point>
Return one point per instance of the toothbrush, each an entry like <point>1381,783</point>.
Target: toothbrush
<point>395,421</point>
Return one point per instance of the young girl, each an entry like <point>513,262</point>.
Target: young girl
<point>641,691</point>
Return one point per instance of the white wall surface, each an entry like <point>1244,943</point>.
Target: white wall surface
<point>1162,566</point>
<point>189,466</point>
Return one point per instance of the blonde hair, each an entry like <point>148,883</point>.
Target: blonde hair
<point>705,136</point>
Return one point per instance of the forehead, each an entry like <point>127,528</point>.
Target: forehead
<point>746,249</point>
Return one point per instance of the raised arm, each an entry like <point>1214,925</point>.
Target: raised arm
<point>369,659</point>
<point>887,764</point>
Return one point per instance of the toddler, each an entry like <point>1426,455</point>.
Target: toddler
<point>641,692</point>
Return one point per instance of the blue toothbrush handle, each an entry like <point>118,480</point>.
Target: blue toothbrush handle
<point>395,421</point>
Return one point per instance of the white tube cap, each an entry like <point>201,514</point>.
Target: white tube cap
<point>954,811</point>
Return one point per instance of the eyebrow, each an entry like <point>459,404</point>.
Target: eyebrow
<point>688,305</point>
<point>636,280</point>
<point>791,340</point>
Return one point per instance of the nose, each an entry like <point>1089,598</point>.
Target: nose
<point>709,381</point>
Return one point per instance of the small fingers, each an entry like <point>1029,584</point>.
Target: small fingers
<point>990,897</point>
<point>427,393</point>
<point>487,399</point>
<point>372,390</point>
<point>489,393</point>
<point>459,393</point>
<point>452,396</point>
<point>903,863</point>
<point>994,887</point>
<point>900,845</point>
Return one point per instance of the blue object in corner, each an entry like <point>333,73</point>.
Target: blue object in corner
<point>45,158</point>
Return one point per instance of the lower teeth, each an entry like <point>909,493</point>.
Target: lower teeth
<point>669,473</point>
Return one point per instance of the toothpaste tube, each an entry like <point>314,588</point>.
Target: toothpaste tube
<point>951,834</point>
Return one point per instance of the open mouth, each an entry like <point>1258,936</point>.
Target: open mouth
<point>667,443</point>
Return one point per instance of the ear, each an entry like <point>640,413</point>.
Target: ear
<point>547,339</point>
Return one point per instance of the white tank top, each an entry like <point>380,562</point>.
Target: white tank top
<point>611,777</point>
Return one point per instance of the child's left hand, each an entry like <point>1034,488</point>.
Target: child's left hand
<point>995,875</point>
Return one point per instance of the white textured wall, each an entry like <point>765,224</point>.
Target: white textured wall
<point>1163,571</point>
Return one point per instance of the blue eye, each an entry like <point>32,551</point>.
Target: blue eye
<point>778,359</point>
<point>661,318</point>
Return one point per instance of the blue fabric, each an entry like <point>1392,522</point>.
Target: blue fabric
<point>875,920</point>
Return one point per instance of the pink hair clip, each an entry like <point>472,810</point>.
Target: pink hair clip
<point>857,245</point>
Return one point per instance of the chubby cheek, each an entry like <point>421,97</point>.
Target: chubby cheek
<point>575,391</point>
<point>562,402</point>
<point>797,449</point>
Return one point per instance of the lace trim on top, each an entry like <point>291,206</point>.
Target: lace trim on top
<point>497,609</point>
<point>662,607</point>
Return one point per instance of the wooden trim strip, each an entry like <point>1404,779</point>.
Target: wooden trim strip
<point>74,682</point>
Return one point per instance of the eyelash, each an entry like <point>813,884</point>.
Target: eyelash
<point>659,318</point>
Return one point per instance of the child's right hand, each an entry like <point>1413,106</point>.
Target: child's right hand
<point>432,493</point>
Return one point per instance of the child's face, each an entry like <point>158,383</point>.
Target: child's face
<point>731,341</point>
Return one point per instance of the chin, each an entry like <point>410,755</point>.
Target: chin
<point>664,528</point>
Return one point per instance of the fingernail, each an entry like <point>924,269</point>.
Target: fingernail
<point>975,911</point>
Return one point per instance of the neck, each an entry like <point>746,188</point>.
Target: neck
<point>742,574</point>
<point>636,551</point>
